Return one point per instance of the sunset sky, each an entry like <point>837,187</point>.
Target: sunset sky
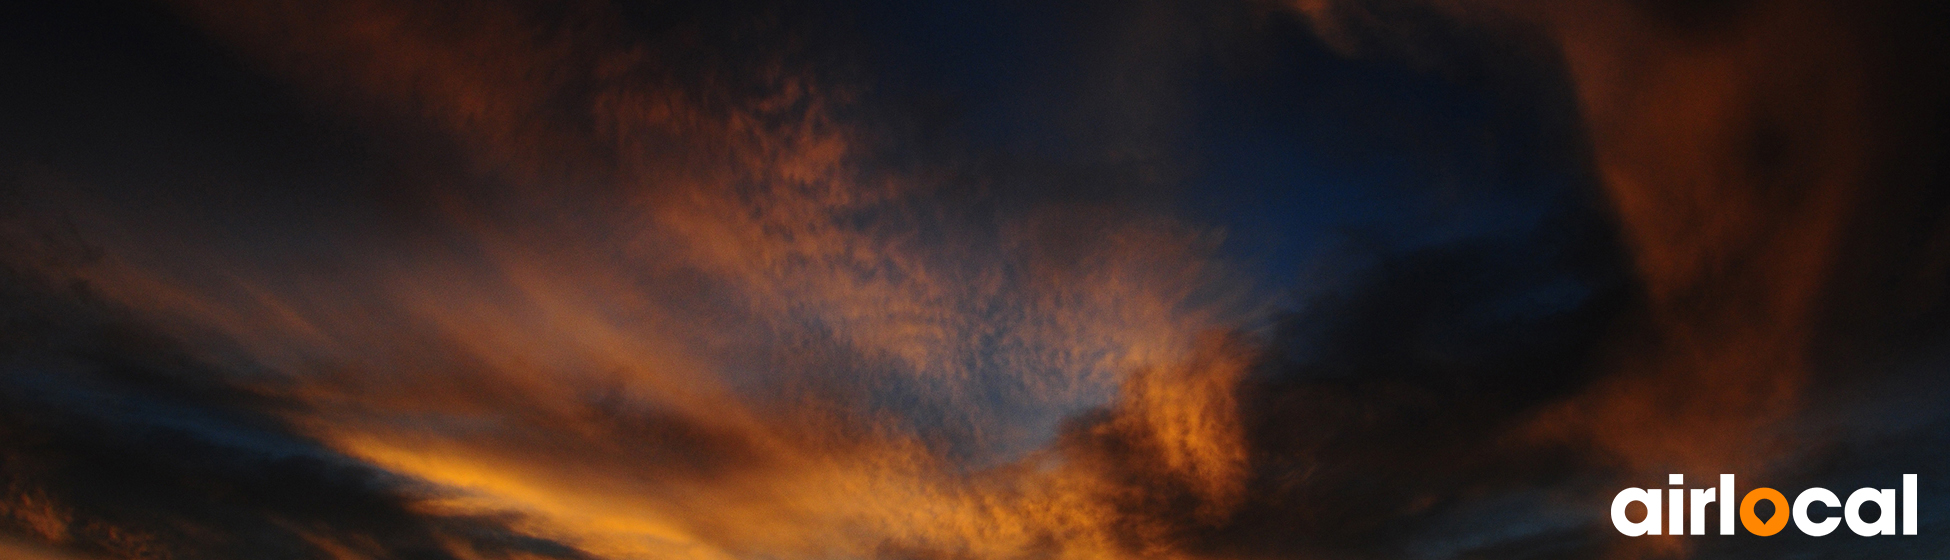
<point>1014,280</point>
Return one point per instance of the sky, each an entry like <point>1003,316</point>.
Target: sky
<point>865,279</point>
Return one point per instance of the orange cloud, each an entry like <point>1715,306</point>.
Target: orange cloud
<point>665,336</point>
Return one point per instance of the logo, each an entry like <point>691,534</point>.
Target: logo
<point>1810,522</point>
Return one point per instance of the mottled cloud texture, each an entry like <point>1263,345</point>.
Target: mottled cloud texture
<point>357,279</point>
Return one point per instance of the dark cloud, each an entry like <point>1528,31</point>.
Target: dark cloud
<point>1382,417</point>
<point>118,443</point>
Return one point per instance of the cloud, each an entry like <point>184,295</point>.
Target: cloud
<point>669,309</point>
<point>652,281</point>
